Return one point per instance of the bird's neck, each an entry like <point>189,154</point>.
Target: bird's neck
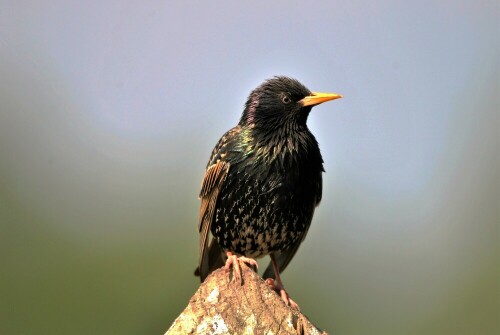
<point>284,143</point>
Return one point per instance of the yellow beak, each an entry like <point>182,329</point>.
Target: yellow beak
<point>317,98</point>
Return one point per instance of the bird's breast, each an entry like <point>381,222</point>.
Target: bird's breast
<point>265,205</point>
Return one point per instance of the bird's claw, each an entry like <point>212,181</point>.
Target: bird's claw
<point>234,261</point>
<point>280,290</point>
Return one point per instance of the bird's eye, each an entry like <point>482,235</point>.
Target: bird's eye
<point>285,99</point>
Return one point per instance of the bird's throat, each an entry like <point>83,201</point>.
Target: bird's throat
<point>285,145</point>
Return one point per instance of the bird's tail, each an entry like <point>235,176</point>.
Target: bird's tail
<point>216,259</point>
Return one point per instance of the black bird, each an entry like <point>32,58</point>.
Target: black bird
<point>262,182</point>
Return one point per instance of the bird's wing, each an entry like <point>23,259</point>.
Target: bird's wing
<point>212,181</point>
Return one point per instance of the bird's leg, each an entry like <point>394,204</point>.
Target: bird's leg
<point>234,260</point>
<point>278,285</point>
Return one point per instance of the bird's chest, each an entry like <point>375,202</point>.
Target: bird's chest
<point>264,207</point>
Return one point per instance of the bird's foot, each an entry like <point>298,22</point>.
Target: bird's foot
<point>234,261</point>
<point>280,289</point>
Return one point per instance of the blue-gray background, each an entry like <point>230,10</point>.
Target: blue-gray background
<point>108,113</point>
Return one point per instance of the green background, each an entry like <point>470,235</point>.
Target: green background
<point>109,111</point>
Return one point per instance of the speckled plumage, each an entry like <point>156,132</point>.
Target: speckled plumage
<point>263,180</point>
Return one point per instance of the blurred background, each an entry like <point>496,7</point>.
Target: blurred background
<point>109,111</point>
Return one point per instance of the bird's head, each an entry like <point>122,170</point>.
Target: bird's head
<point>281,103</point>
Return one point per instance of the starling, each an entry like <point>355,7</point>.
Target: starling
<point>262,183</point>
